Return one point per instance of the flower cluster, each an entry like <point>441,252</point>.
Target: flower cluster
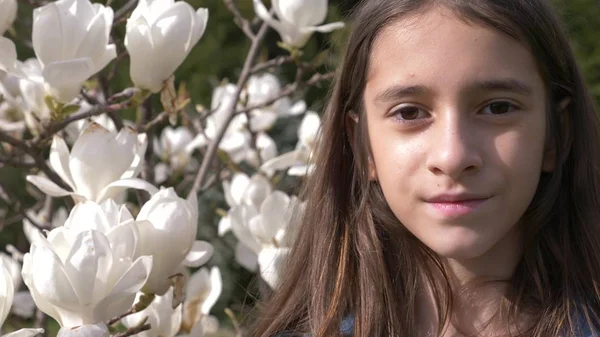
<point>114,241</point>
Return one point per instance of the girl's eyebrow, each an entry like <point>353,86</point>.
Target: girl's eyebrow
<point>506,84</point>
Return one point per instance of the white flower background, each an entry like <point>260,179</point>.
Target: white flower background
<point>132,204</point>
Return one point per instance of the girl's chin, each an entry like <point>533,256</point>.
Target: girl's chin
<point>465,245</point>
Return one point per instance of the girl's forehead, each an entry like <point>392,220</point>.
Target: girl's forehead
<point>437,49</point>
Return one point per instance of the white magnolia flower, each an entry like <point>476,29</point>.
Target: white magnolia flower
<point>22,305</point>
<point>100,165</point>
<point>243,190</point>
<point>160,35</point>
<point>7,290</point>
<point>70,38</point>
<point>202,292</point>
<point>262,89</point>
<point>33,92</point>
<point>175,147</point>
<point>265,150</point>
<point>87,271</point>
<point>11,104</point>
<point>237,139</point>
<point>299,160</point>
<point>265,233</point>
<point>169,235</point>
<point>298,19</point>
<point>163,319</point>
<point>8,14</point>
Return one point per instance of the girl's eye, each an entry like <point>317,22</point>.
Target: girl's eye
<point>408,113</point>
<point>499,108</point>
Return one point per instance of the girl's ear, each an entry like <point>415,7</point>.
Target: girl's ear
<point>550,156</point>
<point>351,125</point>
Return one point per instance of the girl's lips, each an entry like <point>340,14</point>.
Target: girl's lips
<point>456,208</point>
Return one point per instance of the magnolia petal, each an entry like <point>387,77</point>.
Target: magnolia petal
<point>274,213</point>
<point>7,291</point>
<point>234,191</point>
<point>114,188</point>
<point>96,39</point>
<point>90,251</point>
<point>88,215</point>
<point>298,108</point>
<point>138,160</point>
<point>224,225</point>
<point>246,257</point>
<point>88,330</point>
<point>23,305</point>
<point>122,296</point>
<point>309,128</point>
<point>300,170</point>
<point>135,277</point>
<point>24,333</point>
<point>59,159</point>
<point>216,287</point>
<point>50,279</point>
<point>325,28</point>
<point>40,301</point>
<point>263,13</point>
<point>200,253</point>
<point>281,162</point>
<point>47,186</point>
<point>199,25</point>
<point>240,217</point>
<point>109,54</point>
<point>65,78</point>
<point>8,55</point>
<point>271,262</point>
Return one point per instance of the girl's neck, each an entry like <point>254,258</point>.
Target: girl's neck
<point>479,285</point>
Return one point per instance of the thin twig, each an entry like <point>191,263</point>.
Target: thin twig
<point>115,319</point>
<point>230,114</point>
<point>133,331</point>
<point>122,12</point>
<point>239,19</point>
<point>40,162</point>
<point>272,63</point>
<point>158,119</point>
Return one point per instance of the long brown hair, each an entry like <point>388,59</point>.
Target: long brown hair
<point>353,256</point>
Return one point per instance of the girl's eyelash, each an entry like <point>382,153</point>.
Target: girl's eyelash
<point>395,113</point>
<point>512,106</point>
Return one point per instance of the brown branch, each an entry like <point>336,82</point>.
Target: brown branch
<point>288,90</point>
<point>32,151</point>
<point>16,163</point>
<point>239,19</point>
<point>95,110</point>
<point>115,319</point>
<point>158,119</point>
<point>133,331</point>
<point>230,114</point>
<point>272,63</point>
<point>123,11</point>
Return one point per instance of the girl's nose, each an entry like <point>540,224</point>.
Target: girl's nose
<point>454,150</point>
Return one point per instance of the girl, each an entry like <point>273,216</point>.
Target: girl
<point>456,190</point>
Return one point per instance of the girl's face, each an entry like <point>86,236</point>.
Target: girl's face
<point>456,121</point>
